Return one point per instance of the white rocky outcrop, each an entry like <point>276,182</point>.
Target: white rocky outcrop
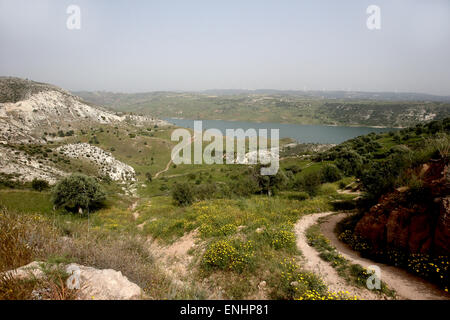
<point>29,109</point>
<point>253,157</point>
<point>26,168</point>
<point>46,110</point>
<point>105,161</point>
<point>89,283</point>
<point>140,120</point>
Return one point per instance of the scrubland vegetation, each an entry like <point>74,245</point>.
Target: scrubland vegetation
<point>242,221</point>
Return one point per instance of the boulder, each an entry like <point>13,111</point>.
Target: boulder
<point>90,283</point>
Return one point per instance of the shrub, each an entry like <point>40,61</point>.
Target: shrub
<point>300,196</point>
<point>283,239</point>
<point>330,173</point>
<point>381,177</point>
<point>182,194</point>
<point>39,185</point>
<point>349,162</point>
<point>309,182</point>
<point>269,184</point>
<point>226,255</point>
<point>442,144</point>
<point>246,186</point>
<point>294,168</point>
<point>78,192</point>
<point>327,189</point>
<point>205,191</point>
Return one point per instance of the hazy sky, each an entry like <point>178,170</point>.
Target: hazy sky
<point>132,46</point>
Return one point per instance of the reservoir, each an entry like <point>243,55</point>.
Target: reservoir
<point>302,133</point>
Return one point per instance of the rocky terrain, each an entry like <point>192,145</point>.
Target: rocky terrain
<point>107,164</point>
<point>33,113</point>
<point>29,109</point>
<point>26,168</point>
<point>415,222</point>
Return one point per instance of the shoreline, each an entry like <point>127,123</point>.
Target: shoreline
<point>293,123</point>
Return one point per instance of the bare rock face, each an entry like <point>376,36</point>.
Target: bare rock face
<point>105,161</point>
<point>442,233</point>
<point>90,283</point>
<point>415,224</point>
<point>28,109</point>
<point>26,168</point>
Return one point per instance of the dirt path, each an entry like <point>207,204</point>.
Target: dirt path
<point>312,261</point>
<point>165,169</point>
<point>169,163</point>
<point>405,284</point>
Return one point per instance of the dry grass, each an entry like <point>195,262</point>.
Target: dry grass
<point>127,254</point>
<point>51,286</point>
<point>22,238</point>
<point>27,238</point>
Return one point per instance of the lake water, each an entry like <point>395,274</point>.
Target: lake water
<point>299,132</point>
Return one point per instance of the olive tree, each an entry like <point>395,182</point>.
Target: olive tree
<point>77,193</point>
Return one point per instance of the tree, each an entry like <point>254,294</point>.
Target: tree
<point>182,194</point>
<point>330,173</point>
<point>39,185</point>
<point>77,193</point>
<point>269,184</point>
<point>148,175</point>
<point>309,182</point>
<point>349,162</point>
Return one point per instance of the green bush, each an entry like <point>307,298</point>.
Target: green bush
<point>349,162</point>
<point>205,191</point>
<point>182,194</point>
<point>269,184</point>
<point>245,186</point>
<point>227,255</point>
<point>282,239</point>
<point>309,182</point>
<point>381,177</point>
<point>77,193</point>
<point>330,173</point>
<point>39,185</point>
<point>294,168</point>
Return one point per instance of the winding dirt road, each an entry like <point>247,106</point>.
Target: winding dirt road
<point>312,261</point>
<point>406,285</point>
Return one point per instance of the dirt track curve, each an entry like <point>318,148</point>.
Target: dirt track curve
<point>406,285</point>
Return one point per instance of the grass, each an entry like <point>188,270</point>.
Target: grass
<point>244,241</point>
<point>51,286</point>
<point>26,201</point>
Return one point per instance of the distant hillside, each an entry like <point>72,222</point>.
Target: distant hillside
<point>331,108</point>
<point>41,126</point>
<point>29,109</point>
<point>349,95</point>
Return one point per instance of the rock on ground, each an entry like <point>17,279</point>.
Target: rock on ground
<point>105,161</point>
<point>91,283</point>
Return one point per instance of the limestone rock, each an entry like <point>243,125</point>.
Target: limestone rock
<point>90,283</point>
